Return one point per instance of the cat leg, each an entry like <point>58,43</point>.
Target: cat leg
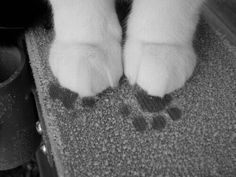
<point>158,53</point>
<point>85,55</point>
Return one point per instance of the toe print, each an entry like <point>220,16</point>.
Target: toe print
<point>152,104</point>
<point>166,99</point>
<point>140,124</point>
<point>158,123</point>
<point>174,113</point>
<point>88,102</point>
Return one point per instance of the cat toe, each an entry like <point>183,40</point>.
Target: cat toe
<point>85,69</point>
<point>158,68</point>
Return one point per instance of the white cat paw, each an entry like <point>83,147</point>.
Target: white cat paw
<point>158,68</point>
<point>86,69</point>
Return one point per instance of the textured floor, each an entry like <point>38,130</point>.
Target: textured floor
<point>123,132</point>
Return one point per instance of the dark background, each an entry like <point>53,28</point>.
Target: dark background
<point>18,16</point>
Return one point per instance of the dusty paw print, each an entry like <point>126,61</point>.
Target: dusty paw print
<point>156,105</point>
<point>174,113</point>
<point>67,97</point>
<point>152,104</point>
<point>88,102</point>
<point>158,123</point>
<point>140,124</point>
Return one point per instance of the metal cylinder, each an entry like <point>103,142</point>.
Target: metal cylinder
<point>18,115</point>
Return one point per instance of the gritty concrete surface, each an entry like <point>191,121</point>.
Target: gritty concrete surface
<point>191,132</point>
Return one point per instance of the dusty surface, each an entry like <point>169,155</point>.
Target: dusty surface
<point>123,132</point>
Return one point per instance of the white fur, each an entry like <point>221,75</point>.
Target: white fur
<point>85,55</point>
<point>158,55</point>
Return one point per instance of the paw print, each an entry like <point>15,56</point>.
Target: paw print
<point>154,105</point>
<point>68,98</point>
<point>64,95</point>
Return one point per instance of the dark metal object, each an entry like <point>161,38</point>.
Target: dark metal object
<point>45,168</point>
<point>43,128</point>
<point>44,157</point>
<point>18,136</point>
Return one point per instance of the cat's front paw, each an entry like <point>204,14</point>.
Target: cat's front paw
<point>158,68</point>
<point>86,69</point>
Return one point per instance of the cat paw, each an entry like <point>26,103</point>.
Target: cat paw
<point>158,68</point>
<point>86,69</point>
